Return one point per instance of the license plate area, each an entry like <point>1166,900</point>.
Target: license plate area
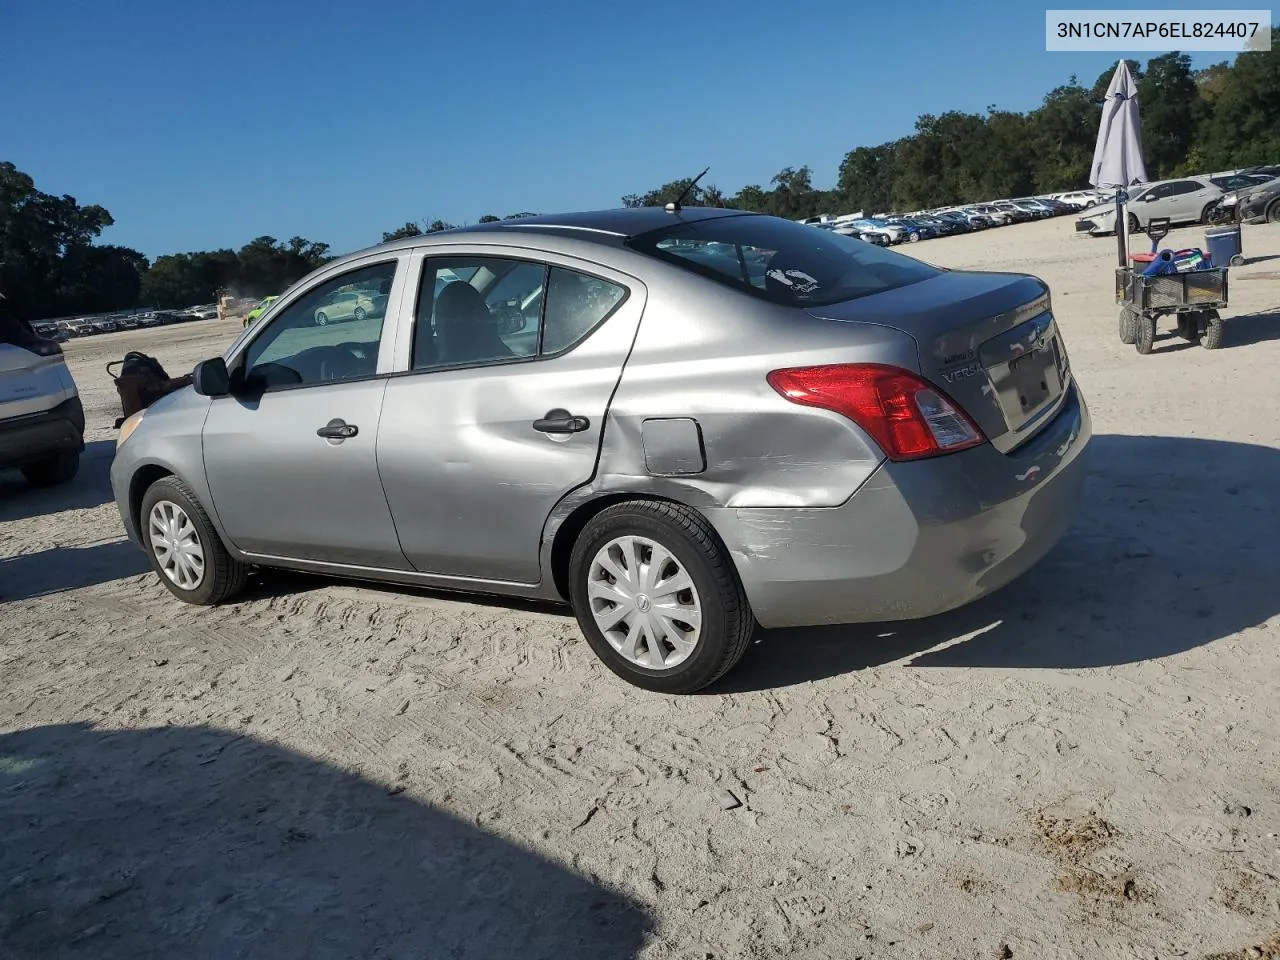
<point>1027,369</point>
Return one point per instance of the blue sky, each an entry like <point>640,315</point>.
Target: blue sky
<point>204,125</point>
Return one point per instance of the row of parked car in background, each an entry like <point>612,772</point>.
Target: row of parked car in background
<point>1250,194</point>
<point>65,328</point>
<point>888,229</point>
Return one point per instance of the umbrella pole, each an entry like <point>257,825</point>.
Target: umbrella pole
<point>1122,230</point>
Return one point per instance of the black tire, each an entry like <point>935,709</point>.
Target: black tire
<point>727,621</point>
<point>1213,330</point>
<point>1189,326</point>
<point>1206,215</point>
<point>224,576</point>
<point>1237,260</point>
<point>53,471</point>
<point>321,318</point>
<point>1128,329</point>
<point>1144,338</point>
<point>1273,212</point>
<point>359,314</point>
<point>1134,225</point>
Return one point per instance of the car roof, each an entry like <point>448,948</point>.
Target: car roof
<point>609,227</point>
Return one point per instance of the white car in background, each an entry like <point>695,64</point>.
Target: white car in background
<point>1185,200</point>
<point>41,419</point>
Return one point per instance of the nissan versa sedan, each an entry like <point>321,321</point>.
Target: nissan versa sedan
<point>687,424</point>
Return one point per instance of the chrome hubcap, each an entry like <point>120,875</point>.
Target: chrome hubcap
<point>644,603</point>
<point>176,545</point>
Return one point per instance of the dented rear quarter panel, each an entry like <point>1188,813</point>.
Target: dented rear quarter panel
<point>759,448</point>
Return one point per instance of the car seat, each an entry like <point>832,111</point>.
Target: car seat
<point>465,330</point>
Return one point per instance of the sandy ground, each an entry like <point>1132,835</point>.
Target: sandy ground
<point>1084,765</point>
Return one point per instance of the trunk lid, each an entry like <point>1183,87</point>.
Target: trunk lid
<point>988,340</point>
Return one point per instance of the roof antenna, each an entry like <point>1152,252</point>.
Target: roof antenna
<point>675,207</point>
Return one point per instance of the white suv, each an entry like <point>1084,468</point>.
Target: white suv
<point>41,419</point>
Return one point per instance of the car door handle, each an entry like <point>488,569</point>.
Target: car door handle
<point>561,421</point>
<point>338,430</point>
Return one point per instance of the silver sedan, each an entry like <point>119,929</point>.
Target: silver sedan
<point>687,424</point>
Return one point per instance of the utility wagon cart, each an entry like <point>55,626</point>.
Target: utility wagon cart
<point>1193,298</point>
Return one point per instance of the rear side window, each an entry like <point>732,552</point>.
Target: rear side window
<point>576,305</point>
<point>782,261</point>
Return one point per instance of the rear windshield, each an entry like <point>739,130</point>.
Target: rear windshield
<point>782,261</point>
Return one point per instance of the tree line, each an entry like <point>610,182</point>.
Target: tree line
<point>1224,116</point>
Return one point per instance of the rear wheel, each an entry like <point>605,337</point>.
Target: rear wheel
<point>184,549</point>
<point>1213,330</point>
<point>1128,328</point>
<point>53,471</point>
<point>1273,211</point>
<point>657,597</point>
<point>359,314</point>
<point>1189,326</point>
<point>1144,338</point>
<point>1134,226</point>
<point>321,318</point>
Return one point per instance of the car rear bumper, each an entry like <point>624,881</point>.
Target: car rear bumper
<point>918,538</point>
<point>35,436</point>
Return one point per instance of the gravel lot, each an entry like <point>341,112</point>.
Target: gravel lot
<point>1084,765</point>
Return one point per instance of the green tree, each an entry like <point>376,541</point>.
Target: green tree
<point>49,264</point>
<point>1062,133</point>
<point>1244,125</point>
<point>1171,109</point>
<point>490,218</point>
<point>410,229</point>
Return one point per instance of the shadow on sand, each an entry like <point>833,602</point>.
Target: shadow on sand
<point>196,843</point>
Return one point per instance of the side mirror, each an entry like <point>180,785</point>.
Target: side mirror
<point>211,379</point>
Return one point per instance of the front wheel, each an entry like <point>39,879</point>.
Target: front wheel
<point>1211,339</point>
<point>359,314</point>
<point>1189,326</point>
<point>658,598</point>
<point>53,471</point>
<point>1144,337</point>
<point>1128,325</point>
<point>1273,212</point>
<point>1134,225</point>
<point>184,549</point>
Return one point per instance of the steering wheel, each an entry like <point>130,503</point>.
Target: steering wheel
<point>341,361</point>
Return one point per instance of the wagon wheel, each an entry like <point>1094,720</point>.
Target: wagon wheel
<point>1213,325</point>
<point>1189,325</point>
<point>1144,332</point>
<point>1128,328</point>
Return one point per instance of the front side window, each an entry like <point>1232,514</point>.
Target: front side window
<point>474,310</point>
<point>331,332</point>
<point>782,261</point>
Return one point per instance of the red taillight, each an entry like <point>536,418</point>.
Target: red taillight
<point>909,417</point>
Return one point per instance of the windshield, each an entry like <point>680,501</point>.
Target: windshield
<point>782,261</point>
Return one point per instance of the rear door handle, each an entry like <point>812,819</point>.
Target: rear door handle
<point>561,421</point>
<point>338,429</point>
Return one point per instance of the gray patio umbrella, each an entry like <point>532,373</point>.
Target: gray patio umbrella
<point>1117,157</point>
